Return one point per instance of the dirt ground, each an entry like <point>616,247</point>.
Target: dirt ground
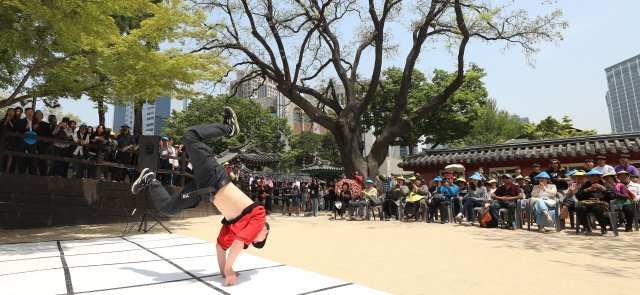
<point>420,258</point>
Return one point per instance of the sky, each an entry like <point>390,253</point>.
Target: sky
<point>567,79</point>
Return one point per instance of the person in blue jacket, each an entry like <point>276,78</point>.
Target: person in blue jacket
<point>443,194</point>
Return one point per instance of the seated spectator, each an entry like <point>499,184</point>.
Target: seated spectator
<point>417,193</point>
<point>569,202</point>
<point>493,186</point>
<point>462,192</point>
<point>356,207</point>
<point>368,192</point>
<point>532,175</point>
<point>543,199</point>
<point>399,191</point>
<point>506,197</point>
<point>445,192</point>
<point>525,186</point>
<point>635,178</point>
<point>344,196</point>
<point>624,165</point>
<point>622,200</point>
<point>476,197</point>
<point>633,187</point>
<point>593,197</point>
<point>603,167</point>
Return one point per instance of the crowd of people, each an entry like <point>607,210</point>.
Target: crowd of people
<point>78,142</point>
<point>478,198</point>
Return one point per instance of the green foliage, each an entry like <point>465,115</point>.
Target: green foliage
<point>492,126</point>
<point>452,121</point>
<point>305,147</point>
<point>69,48</point>
<point>257,125</point>
<point>549,127</point>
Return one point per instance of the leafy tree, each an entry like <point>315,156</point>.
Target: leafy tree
<point>449,123</point>
<point>492,126</point>
<point>297,43</point>
<point>549,127</point>
<point>257,125</point>
<point>71,48</point>
<point>306,147</point>
<point>58,112</point>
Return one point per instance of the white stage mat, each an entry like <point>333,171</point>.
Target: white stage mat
<point>149,264</point>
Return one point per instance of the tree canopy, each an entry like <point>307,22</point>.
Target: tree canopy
<point>306,147</point>
<point>257,125</point>
<point>549,127</point>
<point>492,126</point>
<point>298,43</point>
<point>71,48</point>
<point>451,122</point>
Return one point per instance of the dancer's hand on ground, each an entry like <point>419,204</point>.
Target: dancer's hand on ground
<point>230,277</point>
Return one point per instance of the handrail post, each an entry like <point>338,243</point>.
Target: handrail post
<point>3,142</point>
<point>98,172</point>
<point>183,167</point>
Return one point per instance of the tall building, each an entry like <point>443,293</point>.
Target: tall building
<point>266,94</point>
<point>153,115</point>
<point>623,97</point>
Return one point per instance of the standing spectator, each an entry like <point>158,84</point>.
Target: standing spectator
<point>532,175</point>
<point>506,196</point>
<point>543,198</point>
<point>43,129</point>
<point>296,200</point>
<point>603,167</point>
<point>62,132</point>
<point>331,197</point>
<point>594,197</point>
<point>53,122</point>
<point>314,194</point>
<point>517,172</point>
<point>589,164</point>
<point>558,176</point>
<point>82,138</point>
<point>269,199</point>
<point>166,151</point>
<point>624,165</point>
<point>18,111</point>
<point>99,137</point>
<point>27,145</point>
<point>357,177</point>
<point>126,143</point>
<point>482,172</point>
<point>8,124</point>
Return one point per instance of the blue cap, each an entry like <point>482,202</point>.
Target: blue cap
<point>594,172</point>
<point>476,176</point>
<point>369,180</point>
<point>165,138</point>
<point>84,126</point>
<point>572,172</point>
<point>543,175</point>
<point>437,178</point>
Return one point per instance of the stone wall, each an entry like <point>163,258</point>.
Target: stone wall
<point>28,201</point>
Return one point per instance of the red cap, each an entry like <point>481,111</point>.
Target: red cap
<point>448,175</point>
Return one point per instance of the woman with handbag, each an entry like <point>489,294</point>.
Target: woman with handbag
<point>476,197</point>
<point>543,201</point>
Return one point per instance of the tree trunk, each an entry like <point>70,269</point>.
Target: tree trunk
<point>137,119</point>
<point>101,111</point>
<point>411,148</point>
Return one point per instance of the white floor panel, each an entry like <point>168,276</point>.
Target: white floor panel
<point>118,266</point>
<point>175,288</point>
<point>117,276</point>
<point>13,252</point>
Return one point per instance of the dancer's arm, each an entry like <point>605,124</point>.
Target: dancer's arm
<point>234,251</point>
<point>222,259</point>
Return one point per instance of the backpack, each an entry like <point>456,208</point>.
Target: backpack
<point>488,220</point>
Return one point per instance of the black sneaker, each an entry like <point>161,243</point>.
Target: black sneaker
<point>603,232</point>
<point>145,178</point>
<point>231,120</point>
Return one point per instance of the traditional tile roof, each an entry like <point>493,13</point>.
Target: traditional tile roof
<point>248,153</point>
<point>322,167</point>
<point>546,148</point>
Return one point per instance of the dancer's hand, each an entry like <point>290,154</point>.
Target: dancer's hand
<point>230,277</point>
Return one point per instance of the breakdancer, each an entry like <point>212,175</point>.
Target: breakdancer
<point>244,221</point>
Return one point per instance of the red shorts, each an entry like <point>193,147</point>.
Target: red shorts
<point>245,228</point>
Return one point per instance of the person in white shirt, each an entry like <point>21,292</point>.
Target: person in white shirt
<point>603,167</point>
<point>80,152</point>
